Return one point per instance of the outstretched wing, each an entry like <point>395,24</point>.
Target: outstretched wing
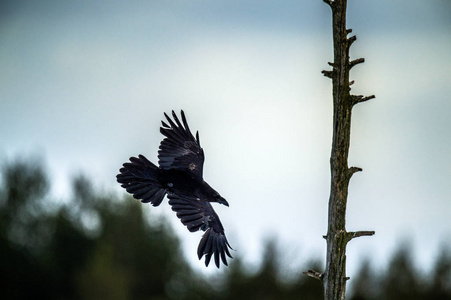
<point>198,214</point>
<point>179,149</point>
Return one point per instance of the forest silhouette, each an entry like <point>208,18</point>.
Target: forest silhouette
<point>98,245</point>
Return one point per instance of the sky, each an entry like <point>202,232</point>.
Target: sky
<point>84,85</point>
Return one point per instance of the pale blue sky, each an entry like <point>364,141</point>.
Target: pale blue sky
<point>85,83</point>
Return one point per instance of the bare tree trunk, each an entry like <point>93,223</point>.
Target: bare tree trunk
<point>334,278</point>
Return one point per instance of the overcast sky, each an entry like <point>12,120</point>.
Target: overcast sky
<point>85,84</point>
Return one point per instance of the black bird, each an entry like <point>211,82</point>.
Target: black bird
<point>179,176</point>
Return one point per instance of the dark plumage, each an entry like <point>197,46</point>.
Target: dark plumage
<point>179,176</point>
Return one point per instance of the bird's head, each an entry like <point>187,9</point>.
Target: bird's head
<point>212,195</point>
<point>220,200</point>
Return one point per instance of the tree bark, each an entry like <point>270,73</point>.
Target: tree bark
<point>334,278</point>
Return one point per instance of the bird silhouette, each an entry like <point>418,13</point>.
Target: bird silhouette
<point>179,176</point>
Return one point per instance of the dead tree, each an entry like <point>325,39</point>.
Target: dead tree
<point>334,278</point>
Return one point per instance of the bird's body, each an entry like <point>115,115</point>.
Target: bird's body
<point>180,183</point>
<point>179,176</point>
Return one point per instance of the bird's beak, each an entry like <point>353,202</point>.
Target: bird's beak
<point>223,201</point>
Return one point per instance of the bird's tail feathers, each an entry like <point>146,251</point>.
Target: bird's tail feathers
<point>140,177</point>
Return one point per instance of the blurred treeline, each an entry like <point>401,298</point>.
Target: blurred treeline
<point>96,245</point>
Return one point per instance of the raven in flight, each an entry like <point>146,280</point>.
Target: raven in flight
<point>179,176</point>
